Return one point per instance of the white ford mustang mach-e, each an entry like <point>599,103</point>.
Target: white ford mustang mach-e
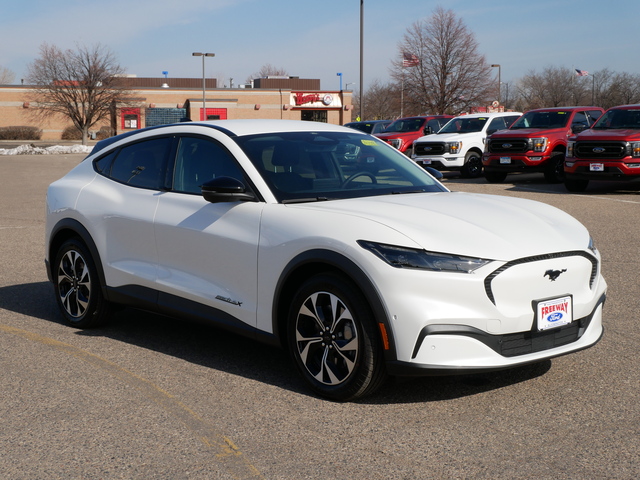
<point>323,240</point>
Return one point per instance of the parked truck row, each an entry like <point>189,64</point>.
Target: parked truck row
<point>574,145</point>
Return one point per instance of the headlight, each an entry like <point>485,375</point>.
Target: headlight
<point>570,147</point>
<point>635,149</point>
<point>402,257</point>
<point>539,144</point>
<point>453,147</point>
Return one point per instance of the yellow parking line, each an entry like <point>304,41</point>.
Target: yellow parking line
<point>228,454</point>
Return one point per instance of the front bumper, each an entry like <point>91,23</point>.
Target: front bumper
<point>485,352</point>
<point>515,163</point>
<point>607,170</point>
<point>439,162</point>
<point>488,320</point>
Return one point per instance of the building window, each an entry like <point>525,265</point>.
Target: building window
<point>130,118</point>
<point>314,115</point>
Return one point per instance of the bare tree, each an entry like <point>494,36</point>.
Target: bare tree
<point>623,89</point>
<point>449,74</point>
<point>80,84</point>
<point>267,70</point>
<point>381,101</point>
<point>6,76</point>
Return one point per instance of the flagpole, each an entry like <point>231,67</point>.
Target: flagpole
<point>402,95</point>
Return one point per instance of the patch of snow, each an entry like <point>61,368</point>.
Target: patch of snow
<point>53,150</point>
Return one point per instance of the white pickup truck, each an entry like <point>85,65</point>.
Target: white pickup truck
<point>460,143</point>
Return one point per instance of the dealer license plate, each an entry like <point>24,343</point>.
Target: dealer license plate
<point>505,159</point>
<point>596,167</point>
<point>425,161</point>
<point>554,312</point>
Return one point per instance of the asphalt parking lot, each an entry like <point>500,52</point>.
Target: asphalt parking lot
<point>148,397</point>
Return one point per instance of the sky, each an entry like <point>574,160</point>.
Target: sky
<point>318,39</point>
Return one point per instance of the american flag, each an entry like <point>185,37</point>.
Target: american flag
<point>410,60</point>
<point>581,73</point>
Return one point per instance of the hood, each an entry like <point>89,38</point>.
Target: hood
<point>528,132</point>
<point>396,134</point>
<point>609,134</point>
<point>486,226</point>
<point>445,137</point>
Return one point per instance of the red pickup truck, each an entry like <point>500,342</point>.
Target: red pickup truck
<point>536,142</point>
<point>404,131</point>
<point>610,150</point>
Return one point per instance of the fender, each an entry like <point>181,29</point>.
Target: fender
<point>68,228</point>
<point>315,260</point>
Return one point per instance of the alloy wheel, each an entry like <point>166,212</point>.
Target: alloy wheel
<point>326,336</point>
<point>74,284</point>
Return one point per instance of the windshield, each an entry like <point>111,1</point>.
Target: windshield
<point>616,119</point>
<point>362,126</point>
<point>312,166</point>
<point>405,125</point>
<point>464,125</point>
<point>554,119</point>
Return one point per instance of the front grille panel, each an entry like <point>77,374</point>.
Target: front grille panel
<point>428,148</point>
<point>600,150</point>
<point>579,253</point>
<point>522,343</point>
<point>508,145</point>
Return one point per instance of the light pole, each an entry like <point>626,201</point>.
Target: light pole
<point>204,84</point>
<point>346,85</point>
<point>340,75</point>
<point>499,82</point>
<point>361,114</point>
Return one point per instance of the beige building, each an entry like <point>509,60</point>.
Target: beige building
<point>165,100</point>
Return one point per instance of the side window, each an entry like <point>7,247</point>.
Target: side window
<point>509,120</point>
<point>199,160</point>
<point>435,125</point>
<point>580,119</point>
<point>593,115</point>
<point>142,164</point>
<point>103,164</point>
<point>495,125</point>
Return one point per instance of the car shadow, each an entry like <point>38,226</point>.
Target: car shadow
<point>214,348</point>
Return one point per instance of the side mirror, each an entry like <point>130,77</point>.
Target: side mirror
<point>437,174</point>
<point>226,189</point>
<point>578,128</point>
<point>427,130</point>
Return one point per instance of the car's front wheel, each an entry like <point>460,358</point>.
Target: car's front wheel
<point>576,185</point>
<point>554,172</point>
<point>472,167</point>
<point>333,340</point>
<point>77,286</point>
<point>495,177</point>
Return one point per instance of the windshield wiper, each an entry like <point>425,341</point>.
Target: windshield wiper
<point>306,200</point>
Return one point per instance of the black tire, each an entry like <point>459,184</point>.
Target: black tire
<point>77,286</point>
<point>472,167</point>
<point>338,353</point>
<point>495,177</point>
<point>554,173</point>
<point>576,185</point>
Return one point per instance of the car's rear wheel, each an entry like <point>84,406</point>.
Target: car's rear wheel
<point>472,167</point>
<point>576,185</point>
<point>333,340</point>
<point>77,286</point>
<point>495,177</point>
